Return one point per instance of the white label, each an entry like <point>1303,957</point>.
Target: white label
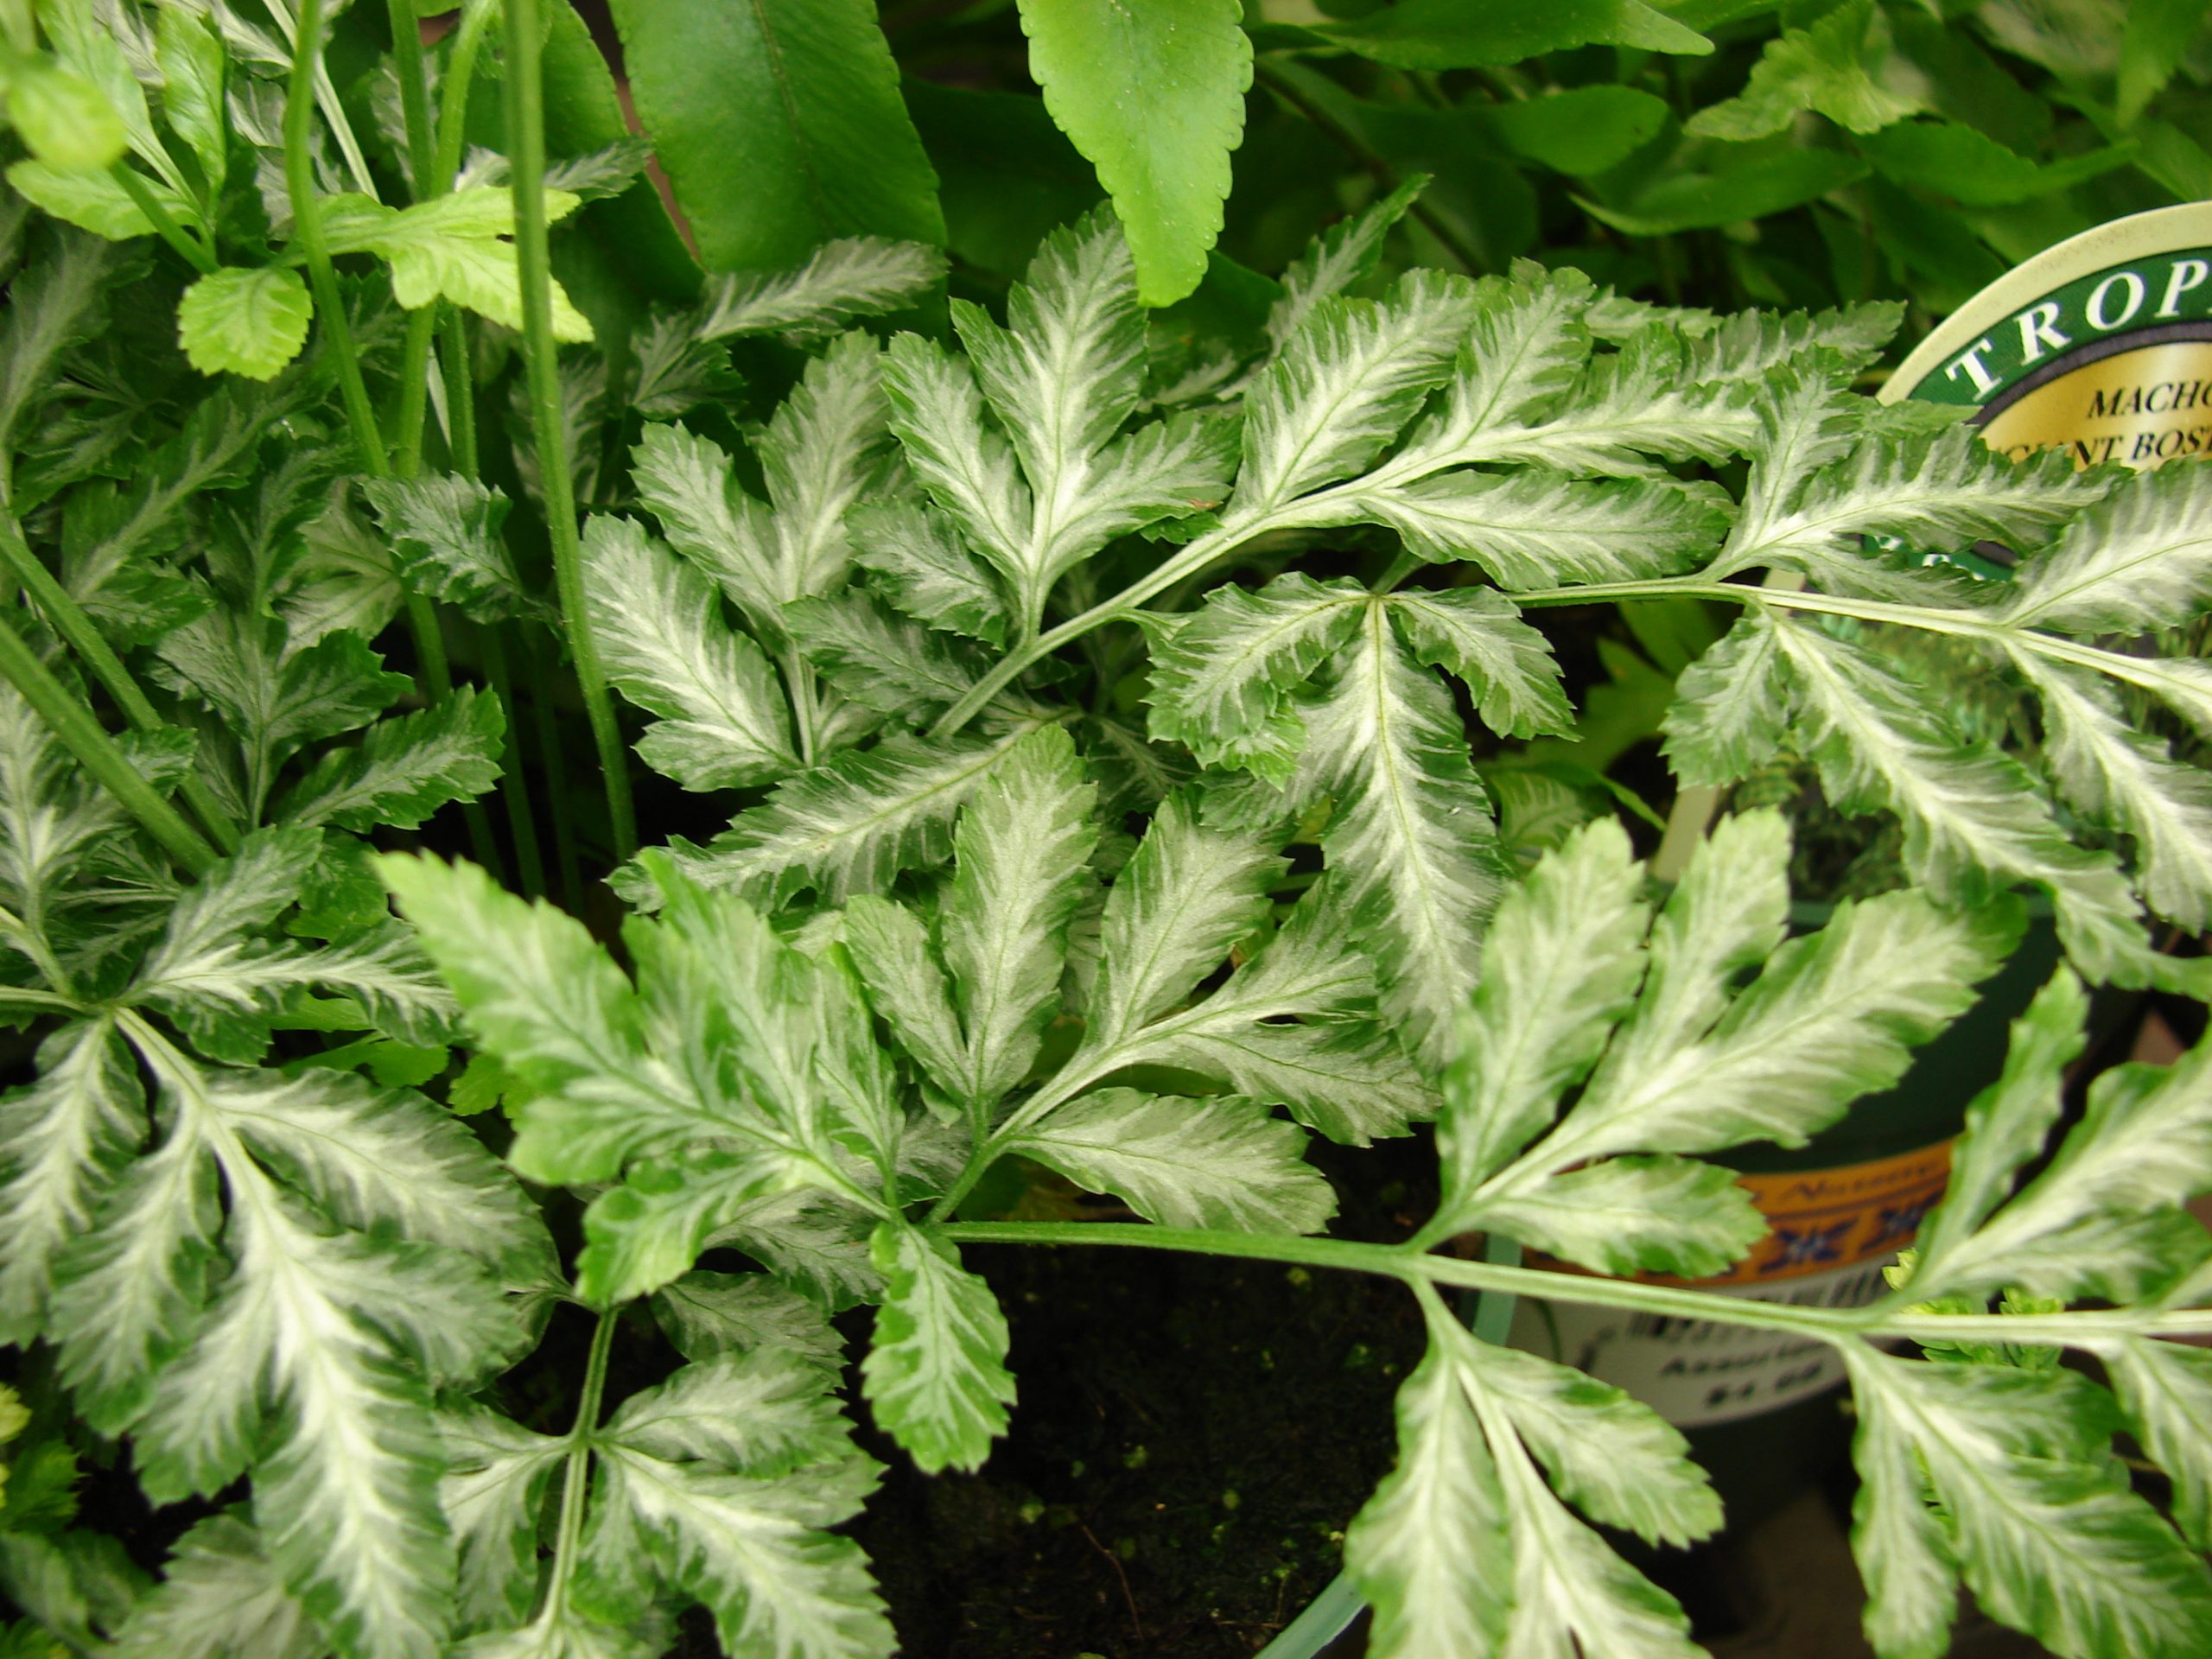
<point>1694,1372</point>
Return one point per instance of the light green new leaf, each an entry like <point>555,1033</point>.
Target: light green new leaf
<point>1221,684</point>
<point>1346,384</point>
<point>1022,854</point>
<point>936,1374</point>
<point>1154,97</point>
<point>2139,560</point>
<point>1188,895</point>
<point>848,826</point>
<point>94,201</point>
<point>101,47</point>
<point>657,625</point>
<point>1962,163</point>
<point>1561,962</point>
<point>851,276</point>
<point>1476,634</point>
<point>2035,1512</point>
<point>62,118</point>
<point>406,769</point>
<point>1220,1163</point>
<point>219,1596</point>
<point>248,322</point>
<point>452,247</point>
<point>1837,65</point>
<point>2158,35</point>
<point>444,532</point>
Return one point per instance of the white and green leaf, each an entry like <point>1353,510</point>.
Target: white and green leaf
<point>658,626</point>
<point>936,1375</point>
<point>1220,1162</point>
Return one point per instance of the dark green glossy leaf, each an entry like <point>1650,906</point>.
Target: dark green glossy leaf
<point>779,124</point>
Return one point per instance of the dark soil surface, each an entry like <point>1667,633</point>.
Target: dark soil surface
<point>1190,1439</point>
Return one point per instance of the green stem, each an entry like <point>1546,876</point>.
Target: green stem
<point>567,1534</point>
<point>514,783</point>
<point>82,635</point>
<point>414,95</point>
<point>306,233</point>
<point>553,761</point>
<point>526,153</point>
<point>86,738</point>
<point>461,75</point>
<point>798,679</point>
<point>421,164</point>
<point>165,225</point>
<point>25,997</point>
<point>514,791</point>
<point>1193,558</point>
<point>460,392</point>
<point>1412,1267</point>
